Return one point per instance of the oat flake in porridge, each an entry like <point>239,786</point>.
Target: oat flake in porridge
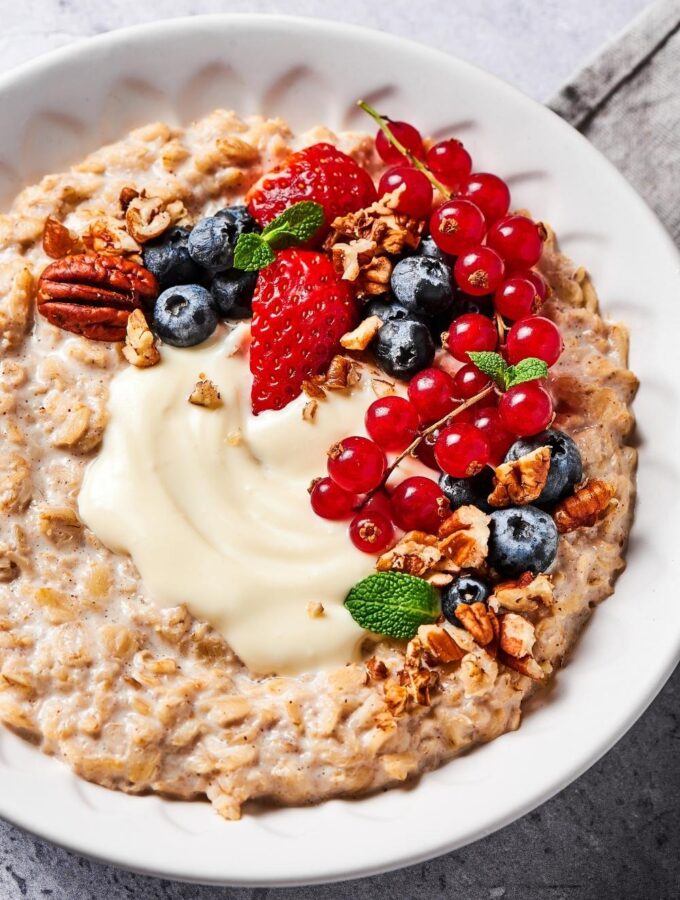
<point>172,609</point>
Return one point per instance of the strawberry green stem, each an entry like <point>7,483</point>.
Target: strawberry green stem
<point>383,124</point>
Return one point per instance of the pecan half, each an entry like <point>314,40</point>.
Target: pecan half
<point>585,507</point>
<point>479,621</point>
<point>521,480</point>
<point>93,295</point>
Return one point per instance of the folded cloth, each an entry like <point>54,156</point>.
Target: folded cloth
<point>627,103</point>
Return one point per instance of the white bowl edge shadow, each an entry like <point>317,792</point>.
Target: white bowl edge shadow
<point>583,195</point>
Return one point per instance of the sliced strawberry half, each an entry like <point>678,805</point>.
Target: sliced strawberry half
<point>321,173</point>
<point>301,309</point>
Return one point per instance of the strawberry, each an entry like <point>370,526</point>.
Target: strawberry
<point>301,309</point>
<point>320,173</point>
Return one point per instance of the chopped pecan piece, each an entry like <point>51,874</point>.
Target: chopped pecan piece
<point>584,507</point>
<point>525,594</point>
<point>206,394</point>
<point>525,665</point>
<point>439,646</point>
<point>376,669</point>
<point>464,537</point>
<point>416,554</point>
<point>396,697</point>
<point>517,635</point>
<point>362,335</point>
<point>390,231</point>
<point>418,681</point>
<point>349,258</point>
<point>140,345</point>
<point>107,235</point>
<point>309,410</point>
<point>57,240</point>
<point>342,373</point>
<point>479,621</point>
<point>522,480</point>
<point>147,218</point>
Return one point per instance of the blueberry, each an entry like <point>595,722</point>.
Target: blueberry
<point>467,304</point>
<point>232,292</point>
<point>522,539</point>
<point>566,468</point>
<point>468,491</point>
<point>440,324</point>
<point>184,315</point>
<point>387,311</point>
<point>422,284</point>
<point>465,589</point>
<point>403,347</point>
<point>211,244</point>
<point>427,247</point>
<point>169,260</point>
<point>240,219</point>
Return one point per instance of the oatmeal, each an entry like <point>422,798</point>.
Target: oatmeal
<point>140,622</point>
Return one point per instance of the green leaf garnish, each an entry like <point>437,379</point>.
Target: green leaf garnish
<point>393,604</point>
<point>527,370</point>
<point>295,225</point>
<point>505,376</point>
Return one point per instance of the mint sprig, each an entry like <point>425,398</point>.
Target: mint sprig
<point>393,604</point>
<point>295,225</point>
<point>505,376</point>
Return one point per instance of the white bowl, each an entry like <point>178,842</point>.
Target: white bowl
<point>58,107</point>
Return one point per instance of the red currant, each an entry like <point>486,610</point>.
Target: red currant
<point>416,198</point>
<point>526,408</point>
<point>425,450</point>
<point>479,271</point>
<point>462,450</point>
<point>330,501</point>
<point>356,464</point>
<point>432,393</point>
<point>535,336</point>
<point>516,299</point>
<point>537,280</point>
<point>469,381</point>
<point>489,192</point>
<point>407,135</point>
<point>517,239</point>
<point>379,503</point>
<point>371,532</point>
<point>457,225</point>
<point>487,419</point>
<point>449,161</point>
<point>470,332</point>
<point>392,422</point>
<point>418,504</point>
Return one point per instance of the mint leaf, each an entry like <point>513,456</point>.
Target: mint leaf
<point>491,364</point>
<point>526,370</point>
<point>302,220</point>
<point>393,604</point>
<point>252,253</point>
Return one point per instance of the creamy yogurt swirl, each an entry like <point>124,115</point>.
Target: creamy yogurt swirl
<point>212,506</point>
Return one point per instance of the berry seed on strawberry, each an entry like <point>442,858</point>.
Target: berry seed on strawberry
<point>320,173</point>
<point>301,309</point>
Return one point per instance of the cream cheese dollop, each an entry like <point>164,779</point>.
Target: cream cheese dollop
<point>212,506</point>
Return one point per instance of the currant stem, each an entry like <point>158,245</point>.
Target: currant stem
<point>415,443</point>
<point>415,162</point>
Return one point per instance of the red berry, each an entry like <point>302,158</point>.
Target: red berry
<point>516,299</point>
<point>517,239</point>
<point>321,173</point>
<point>449,161</point>
<point>301,309</point>
<point>416,198</point>
<point>468,333</point>
<point>457,225</point>
<point>489,192</point>
<point>425,450</point>
<point>526,408</point>
<point>330,501</point>
<point>356,464</point>
<point>462,450</point>
<point>535,336</point>
<point>418,504</point>
<point>537,280</point>
<point>479,271</point>
<point>371,532</point>
<point>469,381</point>
<point>379,503</point>
<point>407,135</point>
<point>487,419</point>
<point>392,422</point>
<point>432,393</point>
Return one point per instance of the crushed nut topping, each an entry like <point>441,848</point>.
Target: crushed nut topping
<point>362,335</point>
<point>464,537</point>
<point>522,480</point>
<point>586,506</point>
<point>206,394</point>
<point>140,345</point>
<point>376,669</point>
<point>525,594</point>
<point>517,635</point>
<point>390,231</point>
